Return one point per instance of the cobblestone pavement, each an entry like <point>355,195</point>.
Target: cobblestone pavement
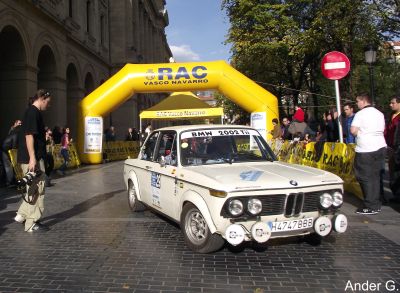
<point>97,245</point>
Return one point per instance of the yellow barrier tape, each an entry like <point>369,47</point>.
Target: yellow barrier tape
<point>121,150</point>
<point>58,159</point>
<point>337,158</point>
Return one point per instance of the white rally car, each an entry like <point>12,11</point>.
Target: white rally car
<point>224,182</point>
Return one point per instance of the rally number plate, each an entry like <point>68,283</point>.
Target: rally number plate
<point>291,225</point>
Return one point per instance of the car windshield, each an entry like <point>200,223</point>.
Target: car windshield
<point>225,145</point>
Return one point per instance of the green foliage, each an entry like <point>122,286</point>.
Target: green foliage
<point>231,109</point>
<point>282,43</point>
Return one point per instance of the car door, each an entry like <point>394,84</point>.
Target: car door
<point>164,175</point>
<point>145,167</point>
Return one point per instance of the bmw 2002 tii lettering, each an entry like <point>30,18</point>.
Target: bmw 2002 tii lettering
<point>224,182</point>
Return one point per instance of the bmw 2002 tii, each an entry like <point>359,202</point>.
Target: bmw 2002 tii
<point>224,182</point>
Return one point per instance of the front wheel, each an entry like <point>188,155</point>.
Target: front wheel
<point>134,203</point>
<point>196,232</point>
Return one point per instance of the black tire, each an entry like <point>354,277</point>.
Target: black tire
<point>196,232</point>
<point>134,204</point>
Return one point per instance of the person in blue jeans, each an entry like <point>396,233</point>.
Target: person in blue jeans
<point>349,112</point>
<point>65,142</point>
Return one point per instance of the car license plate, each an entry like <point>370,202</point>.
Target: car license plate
<point>291,225</point>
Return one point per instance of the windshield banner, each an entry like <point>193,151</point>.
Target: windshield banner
<point>219,132</point>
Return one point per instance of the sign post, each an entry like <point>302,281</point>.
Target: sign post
<point>335,65</point>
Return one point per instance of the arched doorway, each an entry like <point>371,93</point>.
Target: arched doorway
<point>47,79</point>
<point>13,78</point>
<point>74,95</point>
<point>89,83</point>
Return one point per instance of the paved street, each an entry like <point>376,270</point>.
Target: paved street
<point>97,245</point>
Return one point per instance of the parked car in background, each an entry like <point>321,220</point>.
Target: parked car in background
<point>223,182</point>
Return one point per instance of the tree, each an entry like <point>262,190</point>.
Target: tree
<point>282,42</point>
<point>389,16</point>
<point>231,110</point>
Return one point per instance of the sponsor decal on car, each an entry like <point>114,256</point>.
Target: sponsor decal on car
<point>155,189</point>
<point>250,175</point>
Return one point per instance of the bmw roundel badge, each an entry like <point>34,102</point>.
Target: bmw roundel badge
<point>293,182</point>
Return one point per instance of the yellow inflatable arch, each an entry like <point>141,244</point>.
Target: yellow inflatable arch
<point>168,77</point>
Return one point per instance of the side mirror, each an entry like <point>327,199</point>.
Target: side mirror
<point>162,161</point>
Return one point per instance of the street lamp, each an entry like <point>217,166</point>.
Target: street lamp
<point>370,58</point>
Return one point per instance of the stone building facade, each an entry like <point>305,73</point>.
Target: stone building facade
<point>70,47</point>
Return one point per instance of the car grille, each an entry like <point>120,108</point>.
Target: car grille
<point>287,204</point>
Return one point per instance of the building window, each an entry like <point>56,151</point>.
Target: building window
<point>70,8</point>
<point>88,16</point>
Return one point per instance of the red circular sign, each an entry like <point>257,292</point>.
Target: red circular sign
<point>335,65</point>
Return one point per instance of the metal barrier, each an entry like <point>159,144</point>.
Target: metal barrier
<point>58,159</point>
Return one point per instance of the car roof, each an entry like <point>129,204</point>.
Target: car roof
<point>181,128</point>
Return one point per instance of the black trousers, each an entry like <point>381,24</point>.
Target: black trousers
<point>367,168</point>
<point>49,164</point>
<point>9,170</point>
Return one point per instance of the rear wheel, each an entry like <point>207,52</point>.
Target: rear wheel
<point>134,203</point>
<point>196,232</point>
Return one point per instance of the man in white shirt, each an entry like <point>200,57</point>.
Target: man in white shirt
<point>368,126</point>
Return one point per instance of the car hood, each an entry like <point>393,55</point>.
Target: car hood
<point>266,175</point>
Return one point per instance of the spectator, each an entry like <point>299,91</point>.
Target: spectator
<point>349,112</point>
<point>286,135</point>
<point>331,127</point>
<point>131,135</point>
<point>10,142</point>
<point>321,133</point>
<point>31,156</point>
<point>392,136</point>
<point>368,126</point>
<point>49,162</point>
<point>148,129</point>
<point>298,129</point>
<point>276,131</point>
<point>311,122</point>
<point>65,143</point>
<point>110,134</point>
<point>57,134</point>
<point>298,114</point>
<point>16,124</point>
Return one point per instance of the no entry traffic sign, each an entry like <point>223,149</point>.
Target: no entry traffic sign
<point>335,65</point>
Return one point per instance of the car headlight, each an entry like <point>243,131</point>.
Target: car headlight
<point>337,199</point>
<point>235,207</point>
<point>254,206</point>
<point>325,200</point>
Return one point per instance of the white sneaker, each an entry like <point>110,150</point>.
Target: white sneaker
<point>38,227</point>
<point>20,219</point>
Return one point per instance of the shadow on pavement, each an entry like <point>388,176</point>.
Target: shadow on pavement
<point>79,208</point>
<point>6,219</point>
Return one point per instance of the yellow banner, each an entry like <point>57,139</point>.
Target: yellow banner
<point>337,158</point>
<point>182,113</point>
<point>58,159</point>
<point>120,150</point>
